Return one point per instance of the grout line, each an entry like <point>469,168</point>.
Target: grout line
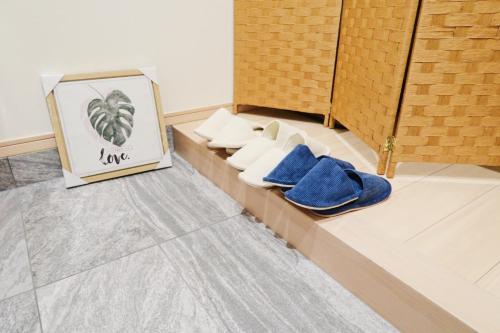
<point>451,213</point>
<point>177,269</point>
<point>197,229</point>
<point>488,271</point>
<point>193,293</point>
<point>155,241</point>
<point>97,266</point>
<point>31,270</point>
<point>17,294</point>
<point>11,173</point>
<point>418,180</point>
<point>156,244</point>
<point>151,230</point>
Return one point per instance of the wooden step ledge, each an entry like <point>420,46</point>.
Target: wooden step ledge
<point>397,302</point>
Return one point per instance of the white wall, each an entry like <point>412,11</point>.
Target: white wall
<point>189,41</point>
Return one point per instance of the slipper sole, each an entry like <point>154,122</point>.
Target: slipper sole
<point>280,185</point>
<point>249,182</point>
<point>322,208</point>
<point>350,210</point>
<point>235,165</point>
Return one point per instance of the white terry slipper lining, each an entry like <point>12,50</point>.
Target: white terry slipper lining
<point>317,148</point>
<point>212,126</point>
<point>267,162</point>
<point>235,134</point>
<point>275,134</point>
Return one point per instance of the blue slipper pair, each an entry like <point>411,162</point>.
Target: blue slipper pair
<point>327,185</point>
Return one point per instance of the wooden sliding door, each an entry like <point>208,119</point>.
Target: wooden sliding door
<point>284,54</point>
<point>450,111</point>
<point>375,38</point>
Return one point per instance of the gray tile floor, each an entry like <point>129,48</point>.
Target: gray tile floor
<point>164,251</point>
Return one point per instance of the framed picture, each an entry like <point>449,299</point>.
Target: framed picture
<point>108,124</point>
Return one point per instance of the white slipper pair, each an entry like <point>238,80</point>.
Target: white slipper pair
<point>225,130</point>
<point>275,134</point>
<point>261,155</point>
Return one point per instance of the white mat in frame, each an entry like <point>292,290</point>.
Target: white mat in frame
<point>94,133</point>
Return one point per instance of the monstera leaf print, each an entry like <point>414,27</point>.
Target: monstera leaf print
<point>112,117</point>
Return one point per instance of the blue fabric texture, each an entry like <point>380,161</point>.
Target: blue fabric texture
<point>325,186</point>
<point>296,165</point>
<point>375,189</point>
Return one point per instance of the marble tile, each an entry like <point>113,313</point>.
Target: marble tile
<point>177,200</point>
<point>252,282</point>
<point>6,178</point>
<point>35,167</point>
<point>15,275</point>
<point>170,137</point>
<point>138,293</point>
<point>69,231</point>
<point>19,314</point>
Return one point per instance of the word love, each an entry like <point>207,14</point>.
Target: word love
<point>112,158</point>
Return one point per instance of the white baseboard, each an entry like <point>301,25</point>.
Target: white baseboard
<point>46,141</point>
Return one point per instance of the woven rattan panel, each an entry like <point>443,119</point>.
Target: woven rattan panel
<point>285,53</point>
<point>451,106</point>
<point>375,37</point>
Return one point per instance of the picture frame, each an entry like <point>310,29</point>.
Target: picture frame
<point>107,124</point>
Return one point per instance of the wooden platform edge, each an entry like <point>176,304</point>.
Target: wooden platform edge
<point>401,305</point>
<point>45,141</point>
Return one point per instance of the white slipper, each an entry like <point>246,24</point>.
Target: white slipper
<point>210,127</point>
<point>251,151</point>
<point>266,163</point>
<point>235,134</point>
<point>317,148</point>
<point>274,134</point>
<point>214,124</point>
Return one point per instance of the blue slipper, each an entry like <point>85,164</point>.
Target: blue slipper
<point>284,189</point>
<point>296,165</point>
<point>325,186</point>
<point>374,190</point>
